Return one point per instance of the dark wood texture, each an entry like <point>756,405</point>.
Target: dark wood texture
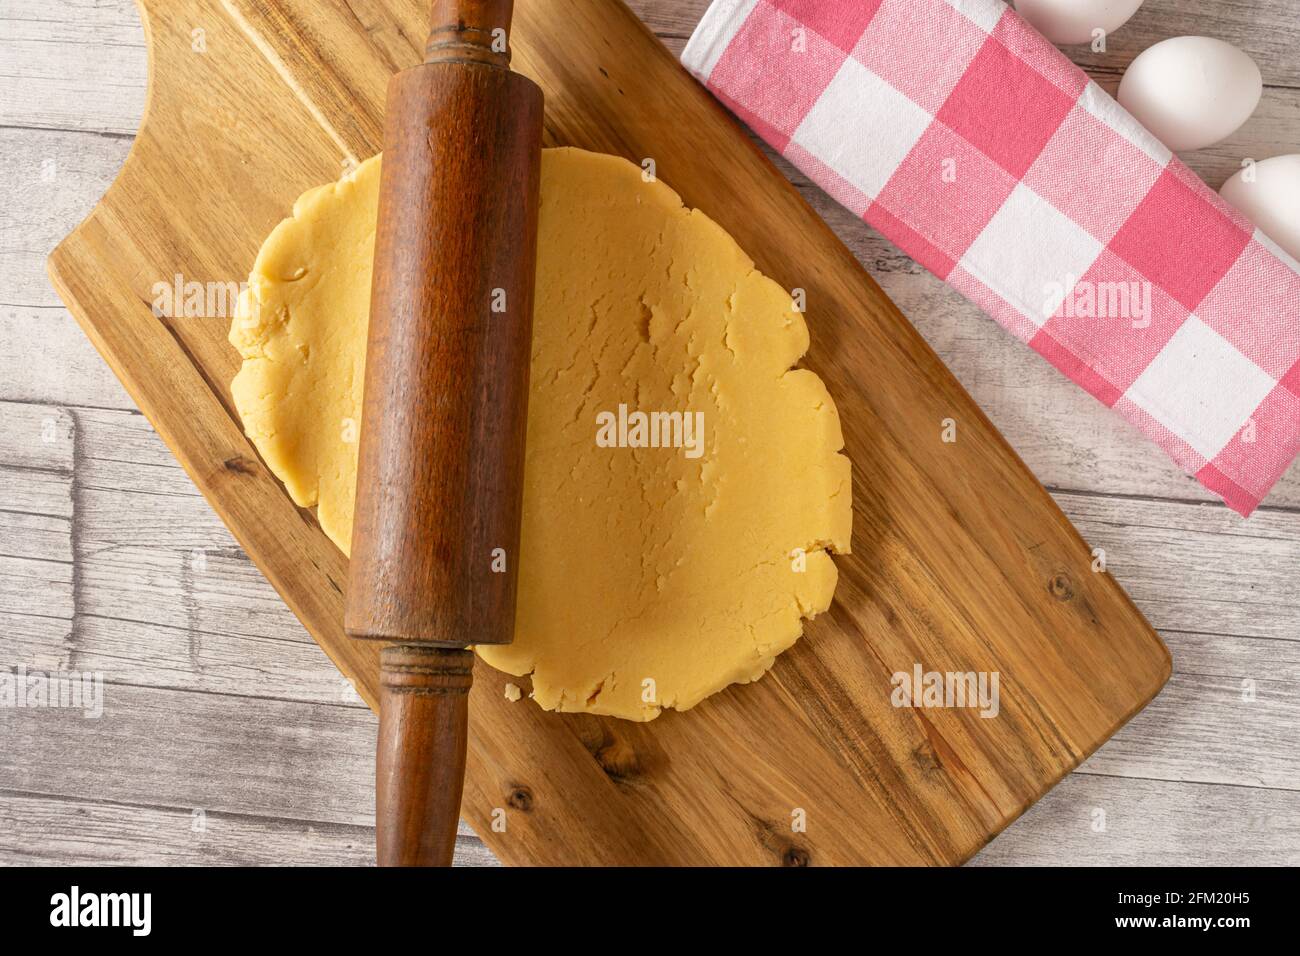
<point>420,761</point>
<point>441,468</point>
<point>440,474</point>
<point>961,560</point>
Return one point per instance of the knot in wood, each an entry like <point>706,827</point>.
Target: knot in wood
<point>1060,586</point>
<point>796,856</point>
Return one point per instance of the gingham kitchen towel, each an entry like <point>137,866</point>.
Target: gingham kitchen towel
<point>962,135</point>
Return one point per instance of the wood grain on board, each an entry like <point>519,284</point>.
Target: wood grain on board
<point>961,561</point>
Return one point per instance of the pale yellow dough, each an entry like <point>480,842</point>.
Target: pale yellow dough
<point>648,578</point>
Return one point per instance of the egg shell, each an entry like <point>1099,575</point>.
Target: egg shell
<point>1072,21</point>
<point>1191,92</point>
<point>1272,200</point>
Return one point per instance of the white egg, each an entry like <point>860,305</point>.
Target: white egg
<point>1191,92</point>
<point>1072,21</point>
<point>1270,198</point>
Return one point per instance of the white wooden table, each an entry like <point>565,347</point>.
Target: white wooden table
<point>229,738</point>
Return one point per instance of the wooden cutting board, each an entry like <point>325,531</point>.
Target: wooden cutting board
<point>961,561</point>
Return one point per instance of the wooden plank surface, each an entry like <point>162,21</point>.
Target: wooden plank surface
<point>961,561</point>
<point>1180,784</point>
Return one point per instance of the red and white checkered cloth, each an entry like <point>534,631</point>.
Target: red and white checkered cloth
<point>962,135</point>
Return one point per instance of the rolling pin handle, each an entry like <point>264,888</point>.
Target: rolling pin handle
<point>420,760</point>
<point>470,31</point>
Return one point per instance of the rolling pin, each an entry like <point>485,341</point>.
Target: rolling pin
<point>441,460</point>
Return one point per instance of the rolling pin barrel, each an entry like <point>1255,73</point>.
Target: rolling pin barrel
<point>434,559</point>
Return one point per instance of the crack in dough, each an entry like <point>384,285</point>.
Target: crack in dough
<point>647,578</point>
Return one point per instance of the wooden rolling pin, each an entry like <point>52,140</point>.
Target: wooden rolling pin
<point>440,475</point>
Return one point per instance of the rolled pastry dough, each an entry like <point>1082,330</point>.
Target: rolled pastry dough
<point>650,577</point>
